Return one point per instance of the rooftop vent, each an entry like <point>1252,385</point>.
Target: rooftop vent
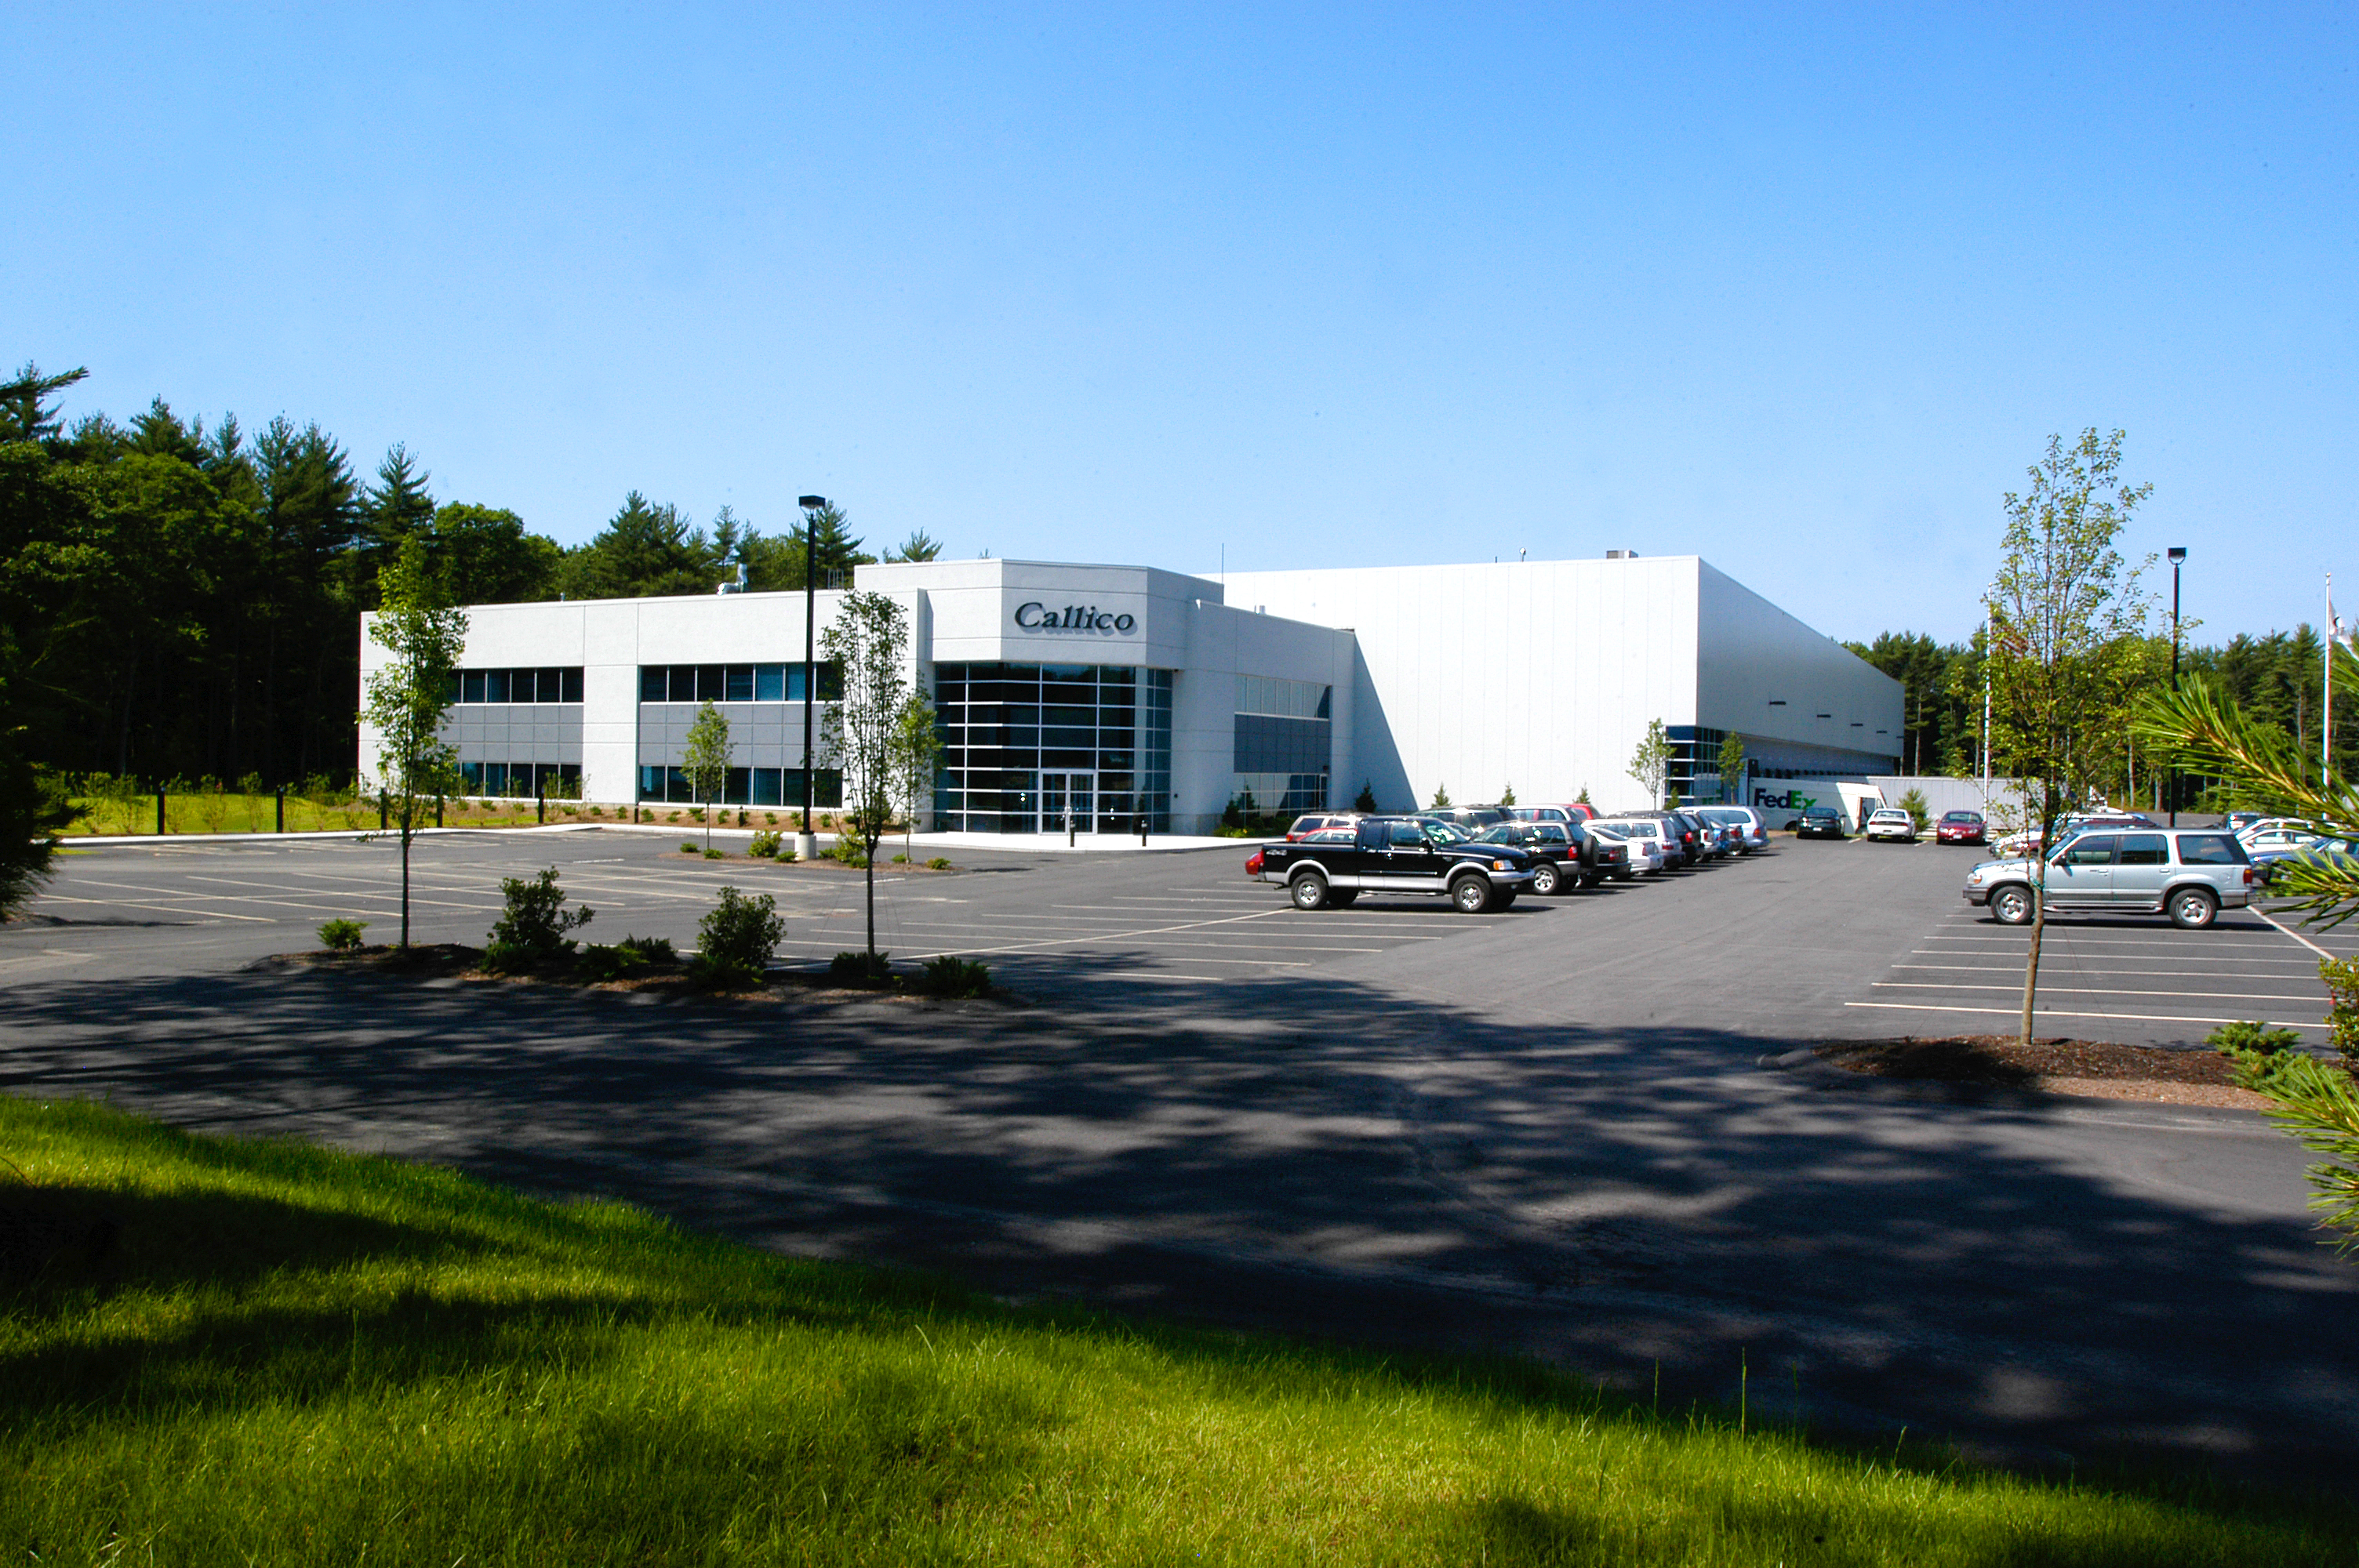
<point>1621,555</point>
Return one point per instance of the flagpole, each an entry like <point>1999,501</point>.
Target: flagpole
<point>2326,729</point>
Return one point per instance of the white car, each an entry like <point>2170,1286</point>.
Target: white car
<point>1646,849</point>
<point>1892,823</point>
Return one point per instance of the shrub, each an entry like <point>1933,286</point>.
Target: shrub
<point>341,935</point>
<point>2341,977</point>
<point>735,940</point>
<point>847,850</point>
<point>597,811</point>
<point>715,855</point>
<point>2233,1039</point>
<point>1913,803</point>
<point>688,846</point>
<point>900,859</point>
<point>602,963</point>
<point>653,949</point>
<point>1366,799</point>
<point>532,928</point>
<point>948,975</point>
<point>939,863</point>
<point>789,852</point>
<point>860,969</point>
<point>765,846</point>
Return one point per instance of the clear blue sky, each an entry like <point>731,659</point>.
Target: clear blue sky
<point>1802,293</point>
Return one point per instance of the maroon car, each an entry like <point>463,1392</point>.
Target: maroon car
<point>1962,828</point>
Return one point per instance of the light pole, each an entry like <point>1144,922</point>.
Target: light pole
<point>805,843</point>
<point>2178,558</point>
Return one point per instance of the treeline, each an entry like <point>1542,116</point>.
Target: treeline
<point>177,600</point>
<point>2278,679</point>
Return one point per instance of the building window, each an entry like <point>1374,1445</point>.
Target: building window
<point>745,786</point>
<point>735,683</point>
<point>544,683</point>
<point>1282,744</point>
<point>1024,743</point>
<point>558,781</point>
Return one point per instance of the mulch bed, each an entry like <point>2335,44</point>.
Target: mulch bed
<point>454,960</point>
<point>2002,1061</point>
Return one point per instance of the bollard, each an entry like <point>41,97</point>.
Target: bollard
<point>282,808</point>
<point>159,814</point>
<point>384,813</point>
<point>1142,830</point>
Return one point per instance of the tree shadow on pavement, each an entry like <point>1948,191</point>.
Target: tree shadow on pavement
<point>1649,1207</point>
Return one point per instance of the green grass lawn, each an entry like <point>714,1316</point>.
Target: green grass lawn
<point>285,1355</point>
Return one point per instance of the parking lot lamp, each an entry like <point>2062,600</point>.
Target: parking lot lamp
<point>805,843</point>
<point>2178,558</point>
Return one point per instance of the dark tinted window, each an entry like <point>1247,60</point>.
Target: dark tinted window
<point>2091,850</point>
<point>2210,849</point>
<point>572,684</point>
<point>2145,850</point>
<point>1407,834</point>
<point>1372,835</point>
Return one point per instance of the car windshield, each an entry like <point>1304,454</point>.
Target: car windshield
<point>1507,832</point>
<point>1445,832</point>
<point>1961,817</point>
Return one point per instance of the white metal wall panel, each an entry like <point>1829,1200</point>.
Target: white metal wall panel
<point>1539,674</point>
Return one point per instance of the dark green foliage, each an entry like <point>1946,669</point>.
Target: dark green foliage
<point>341,935</point>
<point>532,929</point>
<point>1912,801</point>
<point>33,804</point>
<point>2341,977</point>
<point>939,863</point>
<point>948,975</point>
<point>653,949</point>
<point>601,963</point>
<point>860,969</point>
<point>1366,799</point>
<point>2234,1039</point>
<point>735,940</point>
<point>766,845</point>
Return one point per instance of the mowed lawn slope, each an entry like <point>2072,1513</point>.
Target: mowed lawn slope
<point>239,1351</point>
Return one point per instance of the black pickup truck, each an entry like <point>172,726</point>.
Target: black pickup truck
<point>1396,855</point>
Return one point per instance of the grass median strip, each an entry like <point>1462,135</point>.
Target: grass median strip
<point>220,1351</point>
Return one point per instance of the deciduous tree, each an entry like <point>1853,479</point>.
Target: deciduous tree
<point>409,694</point>
<point>869,642</point>
<point>2068,620</point>
<point>706,761</point>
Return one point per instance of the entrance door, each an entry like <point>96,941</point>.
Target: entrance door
<point>1076,793</point>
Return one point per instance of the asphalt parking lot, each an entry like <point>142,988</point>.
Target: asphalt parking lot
<point>2139,981</point>
<point>1816,940</point>
<point>1549,1131</point>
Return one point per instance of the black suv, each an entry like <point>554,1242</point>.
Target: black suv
<point>1398,855</point>
<point>1586,858</point>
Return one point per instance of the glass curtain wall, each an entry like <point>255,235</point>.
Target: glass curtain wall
<point>1025,744</point>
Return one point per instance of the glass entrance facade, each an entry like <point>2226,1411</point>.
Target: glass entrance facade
<point>1013,732</point>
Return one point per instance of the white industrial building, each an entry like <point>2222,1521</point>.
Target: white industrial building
<point>1112,692</point>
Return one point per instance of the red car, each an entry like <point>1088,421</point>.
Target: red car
<point>1962,828</point>
<point>1252,864</point>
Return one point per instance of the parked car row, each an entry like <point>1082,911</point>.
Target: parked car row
<point>1482,858</point>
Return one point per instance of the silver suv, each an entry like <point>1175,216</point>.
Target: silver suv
<point>2189,874</point>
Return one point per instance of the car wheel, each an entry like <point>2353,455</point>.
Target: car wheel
<point>1309,891</point>
<point>1545,879</point>
<point>2011,906</point>
<point>1472,895</point>
<point>2192,909</point>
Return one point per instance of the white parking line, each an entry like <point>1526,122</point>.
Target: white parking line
<point>2054,1013</point>
<point>2090,990</point>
